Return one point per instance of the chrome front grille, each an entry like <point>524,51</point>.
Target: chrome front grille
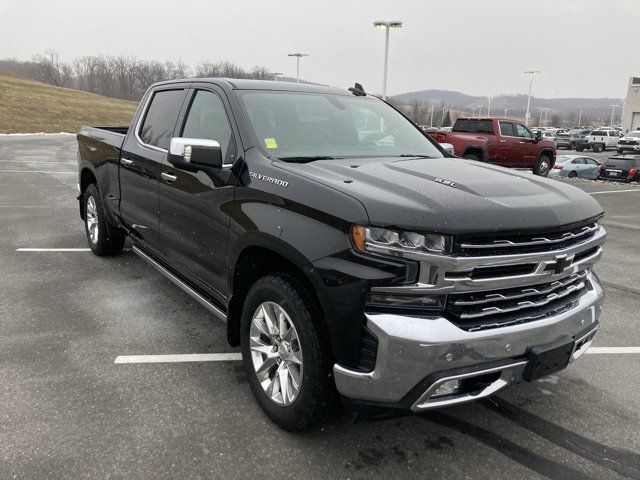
<point>482,308</point>
<point>523,243</point>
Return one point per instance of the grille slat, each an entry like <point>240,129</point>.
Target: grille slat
<point>517,243</point>
<point>514,304</point>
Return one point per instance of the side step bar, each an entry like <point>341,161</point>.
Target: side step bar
<point>219,314</point>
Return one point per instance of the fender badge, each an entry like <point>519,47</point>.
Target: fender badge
<point>266,178</point>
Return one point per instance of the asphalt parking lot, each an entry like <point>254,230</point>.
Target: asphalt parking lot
<point>67,410</point>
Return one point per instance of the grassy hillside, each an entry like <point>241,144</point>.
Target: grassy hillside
<point>27,106</point>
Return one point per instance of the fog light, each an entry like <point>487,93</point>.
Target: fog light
<point>450,387</point>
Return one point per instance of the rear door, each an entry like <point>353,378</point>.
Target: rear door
<point>195,206</point>
<point>143,151</point>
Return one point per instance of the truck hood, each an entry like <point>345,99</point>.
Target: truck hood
<point>449,195</point>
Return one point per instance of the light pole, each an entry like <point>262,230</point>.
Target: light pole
<point>432,102</point>
<point>386,25</point>
<point>580,118</point>
<point>474,112</point>
<point>443,110</point>
<point>531,73</point>
<point>613,111</point>
<point>276,75</point>
<point>546,110</point>
<point>540,121</point>
<point>298,57</point>
<point>489,107</point>
<point>505,112</point>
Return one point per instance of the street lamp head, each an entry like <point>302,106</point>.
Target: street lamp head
<point>531,72</point>
<point>298,55</point>
<point>387,24</point>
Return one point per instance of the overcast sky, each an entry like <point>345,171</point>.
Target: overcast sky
<point>584,48</point>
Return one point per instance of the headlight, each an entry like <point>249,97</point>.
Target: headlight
<point>392,242</point>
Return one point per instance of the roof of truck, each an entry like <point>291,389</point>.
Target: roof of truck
<point>244,84</point>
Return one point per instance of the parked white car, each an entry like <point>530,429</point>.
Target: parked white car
<point>600,140</point>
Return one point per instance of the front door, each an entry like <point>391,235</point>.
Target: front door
<point>142,154</point>
<point>507,150</point>
<point>526,149</point>
<point>195,206</point>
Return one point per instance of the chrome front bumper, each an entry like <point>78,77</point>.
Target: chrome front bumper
<point>412,349</point>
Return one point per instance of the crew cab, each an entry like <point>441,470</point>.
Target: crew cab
<point>600,140</point>
<point>501,142</point>
<point>350,257</point>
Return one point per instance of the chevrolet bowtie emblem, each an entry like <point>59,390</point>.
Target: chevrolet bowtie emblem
<point>560,265</point>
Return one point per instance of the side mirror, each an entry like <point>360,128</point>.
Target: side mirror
<point>198,152</point>
<point>538,135</point>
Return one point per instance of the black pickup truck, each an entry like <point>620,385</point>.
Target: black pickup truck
<point>350,256</point>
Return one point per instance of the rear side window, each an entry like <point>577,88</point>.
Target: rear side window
<point>506,129</point>
<point>474,126</point>
<point>160,119</point>
<point>598,133</point>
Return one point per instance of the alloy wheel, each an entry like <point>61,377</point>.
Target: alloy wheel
<point>276,353</point>
<point>92,220</point>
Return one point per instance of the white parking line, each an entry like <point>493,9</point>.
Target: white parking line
<point>189,357</point>
<point>616,191</point>
<point>35,171</point>
<point>614,350</point>
<point>53,249</point>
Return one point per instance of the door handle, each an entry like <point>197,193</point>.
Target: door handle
<point>126,162</point>
<point>167,177</point>
<point>503,141</point>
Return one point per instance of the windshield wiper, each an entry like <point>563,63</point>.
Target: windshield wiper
<point>411,155</point>
<point>311,158</point>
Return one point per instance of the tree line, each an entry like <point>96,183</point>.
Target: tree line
<point>125,77</point>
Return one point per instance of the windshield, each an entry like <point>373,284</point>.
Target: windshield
<point>633,134</point>
<point>292,125</point>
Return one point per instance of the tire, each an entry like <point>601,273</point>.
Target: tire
<point>103,239</point>
<point>596,147</point>
<point>573,174</point>
<point>579,149</point>
<point>619,150</point>
<point>306,355</point>
<point>572,146</point>
<point>542,166</point>
<point>471,156</point>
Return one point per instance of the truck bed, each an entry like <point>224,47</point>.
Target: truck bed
<point>112,136</point>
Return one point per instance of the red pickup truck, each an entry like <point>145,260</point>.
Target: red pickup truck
<point>501,142</point>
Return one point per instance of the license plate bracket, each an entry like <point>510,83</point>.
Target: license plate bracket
<point>548,358</point>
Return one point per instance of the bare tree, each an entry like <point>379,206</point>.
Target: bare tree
<point>51,69</point>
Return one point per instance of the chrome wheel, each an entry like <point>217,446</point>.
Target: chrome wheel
<point>276,353</point>
<point>91,215</point>
<point>545,166</point>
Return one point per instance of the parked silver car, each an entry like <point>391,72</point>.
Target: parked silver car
<point>576,166</point>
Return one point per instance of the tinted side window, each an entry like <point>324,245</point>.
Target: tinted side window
<point>207,119</point>
<point>598,133</point>
<point>579,161</point>
<point>474,126</point>
<point>522,131</point>
<point>506,128</point>
<point>161,116</point>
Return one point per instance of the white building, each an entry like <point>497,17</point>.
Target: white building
<point>631,110</point>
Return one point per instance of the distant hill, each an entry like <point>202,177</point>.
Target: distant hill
<point>517,104</point>
<point>27,106</point>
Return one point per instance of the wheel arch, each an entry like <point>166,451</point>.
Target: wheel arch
<point>259,255</point>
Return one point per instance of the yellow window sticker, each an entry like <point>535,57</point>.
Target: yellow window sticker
<point>270,143</point>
